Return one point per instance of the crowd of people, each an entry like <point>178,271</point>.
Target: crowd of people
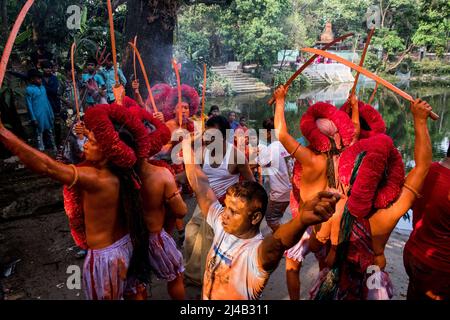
<point>127,172</point>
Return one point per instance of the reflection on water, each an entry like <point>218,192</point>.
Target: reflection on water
<point>394,109</point>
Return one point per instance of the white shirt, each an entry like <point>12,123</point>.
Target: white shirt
<point>232,269</point>
<point>220,179</point>
<point>277,164</point>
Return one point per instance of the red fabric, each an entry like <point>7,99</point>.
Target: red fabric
<point>371,116</point>
<point>430,240</point>
<point>156,138</point>
<point>317,139</point>
<point>379,178</point>
<point>353,276</point>
<point>160,93</point>
<point>73,205</point>
<point>295,193</point>
<point>99,119</point>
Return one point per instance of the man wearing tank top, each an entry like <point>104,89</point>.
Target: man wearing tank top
<point>222,164</point>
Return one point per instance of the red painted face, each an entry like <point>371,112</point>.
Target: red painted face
<point>92,150</point>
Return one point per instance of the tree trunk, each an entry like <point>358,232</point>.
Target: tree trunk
<point>153,21</point>
<point>4,8</point>
<point>402,56</point>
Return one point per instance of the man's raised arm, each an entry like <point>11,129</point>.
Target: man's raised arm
<point>316,211</point>
<point>413,184</point>
<point>197,178</point>
<point>299,152</point>
<point>40,163</point>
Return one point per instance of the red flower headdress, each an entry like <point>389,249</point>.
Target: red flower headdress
<point>380,176</point>
<point>158,136</point>
<point>74,211</point>
<point>319,141</point>
<point>370,116</point>
<point>160,93</point>
<point>188,95</point>
<point>99,119</point>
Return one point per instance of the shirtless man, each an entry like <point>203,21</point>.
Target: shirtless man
<point>381,223</point>
<point>315,174</point>
<point>110,246</point>
<point>160,196</point>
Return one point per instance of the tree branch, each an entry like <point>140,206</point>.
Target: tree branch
<point>395,65</point>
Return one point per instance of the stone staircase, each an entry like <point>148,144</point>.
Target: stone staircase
<point>240,82</point>
<point>314,77</point>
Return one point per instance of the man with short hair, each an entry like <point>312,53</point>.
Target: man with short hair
<point>95,84</point>
<point>223,170</point>
<point>108,74</point>
<point>277,165</point>
<point>232,120</point>
<point>40,111</point>
<point>243,122</point>
<point>240,261</point>
<point>100,198</point>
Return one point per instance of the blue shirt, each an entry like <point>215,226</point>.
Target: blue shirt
<point>39,108</point>
<point>98,79</point>
<point>108,74</point>
<point>234,125</point>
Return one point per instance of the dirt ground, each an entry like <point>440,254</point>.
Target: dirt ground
<point>45,248</point>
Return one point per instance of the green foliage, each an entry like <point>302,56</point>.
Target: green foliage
<point>47,22</point>
<point>389,40</point>
<point>434,67</point>
<point>281,76</point>
<point>434,26</point>
<point>218,86</point>
<point>254,29</point>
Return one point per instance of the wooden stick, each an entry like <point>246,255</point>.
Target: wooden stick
<point>147,83</point>
<point>113,41</point>
<point>363,57</point>
<point>203,97</point>
<point>134,58</point>
<point>177,73</point>
<point>366,73</point>
<point>11,38</point>
<point>307,63</point>
<point>74,83</point>
<point>373,94</point>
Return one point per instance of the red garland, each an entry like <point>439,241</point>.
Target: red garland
<point>372,188</point>
<point>295,193</point>
<point>99,120</point>
<point>74,211</point>
<point>157,138</point>
<point>189,95</point>
<point>73,205</point>
<point>390,188</point>
<point>160,93</point>
<point>128,102</point>
<point>317,139</point>
<point>371,116</point>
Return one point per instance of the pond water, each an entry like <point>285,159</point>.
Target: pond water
<point>394,109</point>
